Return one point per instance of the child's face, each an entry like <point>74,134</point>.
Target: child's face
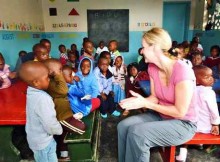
<point>112,46</point>
<point>2,64</point>
<point>205,78</point>
<point>214,53</point>
<point>103,65</point>
<point>62,49</point>
<point>108,57</point>
<point>133,71</point>
<point>85,67</point>
<point>101,45</point>
<point>73,48</point>
<point>41,54</point>
<point>47,45</point>
<point>89,48</point>
<point>118,62</point>
<point>72,58</point>
<point>43,81</point>
<point>197,60</point>
<point>67,74</point>
<point>22,54</point>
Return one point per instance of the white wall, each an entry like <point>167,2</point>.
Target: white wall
<point>21,12</point>
<point>141,11</point>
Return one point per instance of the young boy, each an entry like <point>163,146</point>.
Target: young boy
<point>58,91</point>
<point>208,119</point>
<point>80,102</point>
<point>41,122</point>
<point>40,52</point>
<point>113,49</point>
<point>88,50</point>
<point>104,77</point>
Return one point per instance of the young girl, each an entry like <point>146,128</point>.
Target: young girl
<point>88,50</point>
<point>119,72</point>
<point>63,55</point>
<point>72,60</point>
<point>214,60</point>
<point>132,84</point>
<point>5,74</point>
<point>208,119</point>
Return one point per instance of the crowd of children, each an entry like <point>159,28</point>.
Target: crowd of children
<point>78,83</point>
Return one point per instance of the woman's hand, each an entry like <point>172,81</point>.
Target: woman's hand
<point>135,102</point>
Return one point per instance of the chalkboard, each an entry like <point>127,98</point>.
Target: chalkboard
<point>109,25</point>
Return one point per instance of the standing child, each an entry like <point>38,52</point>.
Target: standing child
<point>113,49</point>
<point>132,81</point>
<point>100,49</point>
<point>208,120</point>
<point>80,102</point>
<point>5,74</point>
<point>73,48</point>
<point>58,91</point>
<point>104,77</point>
<point>41,122</point>
<point>63,55</point>
<point>119,72</point>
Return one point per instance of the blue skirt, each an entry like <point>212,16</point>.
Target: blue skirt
<point>118,92</point>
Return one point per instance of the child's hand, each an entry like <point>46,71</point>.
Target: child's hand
<point>215,130</point>
<point>12,75</point>
<point>103,95</point>
<point>86,97</point>
<point>76,78</point>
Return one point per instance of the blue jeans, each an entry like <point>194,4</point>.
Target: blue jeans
<point>48,154</point>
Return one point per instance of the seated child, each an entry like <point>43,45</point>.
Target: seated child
<point>63,55</point>
<point>208,119</point>
<point>5,74</point>
<point>104,77</point>
<point>80,102</point>
<point>197,58</point>
<point>107,55</point>
<point>88,50</point>
<point>134,75</point>
<point>73,48</point>
<point>58,91</point>
<point>40,52</point>
<point>101,48</point>
<point>118,80</point>
<point>214,58</point>
<point>72,61</point>
<point>113,49</point>
<point>41,122</point>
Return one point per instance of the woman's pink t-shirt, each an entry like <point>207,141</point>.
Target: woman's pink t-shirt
<point>166,94</point>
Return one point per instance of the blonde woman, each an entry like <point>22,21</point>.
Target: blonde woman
<point>172,109</point>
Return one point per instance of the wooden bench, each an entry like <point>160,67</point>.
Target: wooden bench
<point>168,154</point>
<point>83,148</point>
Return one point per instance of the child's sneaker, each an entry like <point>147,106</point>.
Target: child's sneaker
<point>104,116</point>
<point>116,113</point>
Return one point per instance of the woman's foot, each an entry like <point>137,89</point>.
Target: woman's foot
<point>125,113</point>
<point>116,113</point>
<point>182,156</point>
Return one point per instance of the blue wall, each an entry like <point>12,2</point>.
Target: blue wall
<point>11,42</point>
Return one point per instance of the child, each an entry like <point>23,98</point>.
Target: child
<point>214,59</point>
<point>101,48</point>
<point>113,49</point>
<point>134,76</point>
<point>209,120</point>
<point>88,80</point>
<point>22,53</point>
<point>73,48</point>
<point>88,50</point>
<point>119,72</point>
<point>41,122</point>
<point>63,55</point>
<point>197,58</point>
<point>104,77</point>
<point>72,61</point>
<point>5,74</point>
<point>58,91</point>
<point>40,52</point>
<point>79,101</point>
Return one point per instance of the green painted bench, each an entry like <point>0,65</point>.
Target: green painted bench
<point>83,148</point>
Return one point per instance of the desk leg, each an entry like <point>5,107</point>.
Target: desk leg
<point>6,149</point>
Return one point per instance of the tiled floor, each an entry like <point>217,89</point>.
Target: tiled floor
<point>108,146</point>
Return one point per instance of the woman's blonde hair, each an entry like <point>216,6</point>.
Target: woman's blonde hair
<point>158,37</point>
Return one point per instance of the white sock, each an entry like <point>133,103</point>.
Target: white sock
<point>64,153</point>
<point>182,155</point>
